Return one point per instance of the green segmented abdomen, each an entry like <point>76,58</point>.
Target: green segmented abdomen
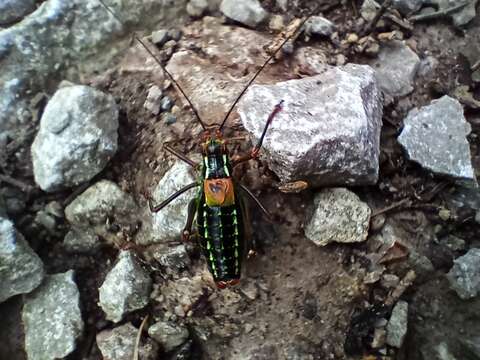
<point>221,236</point>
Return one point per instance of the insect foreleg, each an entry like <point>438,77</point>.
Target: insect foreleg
<point>192,209</point>
<point>164,203</point>
<point>256,200</point>
<point>180,156</point>
<point>256,149</point>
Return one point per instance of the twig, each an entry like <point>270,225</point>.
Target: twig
<point>438,14</point>
<point>391,207</point>
<point>354,8</point>
<point>475,66</point>
<point>17,183</point>
<point>404,24</point>
<point>404,284</point>
<point>139,335</point>
<point>377,17</point>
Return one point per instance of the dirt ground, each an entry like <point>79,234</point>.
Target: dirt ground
<point>297,300</point>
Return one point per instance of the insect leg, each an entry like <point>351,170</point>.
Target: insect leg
<point>256,149</point>
<point>192,208</point>
<point>180,156</point>
<point>256,201</point>
<point>249,245</point>
<point>164,203</point>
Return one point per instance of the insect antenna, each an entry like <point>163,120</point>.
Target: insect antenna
<point>272,55</point>
<point>157,60</point>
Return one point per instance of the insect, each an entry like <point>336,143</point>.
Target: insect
<point>220,207</point>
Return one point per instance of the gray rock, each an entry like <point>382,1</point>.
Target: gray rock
<point>197,8</point>
<point>81,241</point>
<point>175,34</point>
<point>318,25</point>
<point>63,37</point>
<point>395,68</point>
<point>174,258</point>
<point>369,9</point>
<point>471,346</point>
<point>21,270</point>
<point>13,10</point>
<point>397,325</point>
<point>77,137</point>
<point>100,205</point>
<point>166,103</point>
<point>247,12</point>
<point>435,137</point>
<point>339,216</point>
<point>52,318</point>
<point>160,37</point>
<point>119,344</point>
<point>169,118</point>
<point>152,102</point>
<point>407,7</point>
<point>169,222</point>
<point>282,4</point>
<point>168,334</point>
<point>328,130</point>
<point>126,288</point>
<point>464,277</point>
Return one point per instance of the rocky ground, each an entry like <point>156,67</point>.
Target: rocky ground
<point>369,171</point>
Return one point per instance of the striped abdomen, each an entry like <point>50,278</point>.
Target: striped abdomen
<point>221,236</point>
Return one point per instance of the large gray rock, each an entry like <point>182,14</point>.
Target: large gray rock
<point>168,334</point>
<point>62,37</point>
<point>395,68</point>
<point>339,216</point>
<point>464,277</point>
<point>328,131</point>
<point>21,270</point>
<point>247,12</point>
<point>52,318</point>
<point>102,201</point>
<point>126,288</point>
<point>169,222</point>
<point>397,325</point>
<point>435,137</point>
<point>13,10</point>
<point>119,344</point>
<point>77,137</point>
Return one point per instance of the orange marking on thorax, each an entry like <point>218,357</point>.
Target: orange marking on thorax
<point>219,192</point>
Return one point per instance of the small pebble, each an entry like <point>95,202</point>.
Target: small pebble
<point>160,37</point>
<point>169,118</point>
<point>175,34</point>
<point>166,103</point>
<point>352,38</point>
<point>276,23</point>
<point>170,44</point>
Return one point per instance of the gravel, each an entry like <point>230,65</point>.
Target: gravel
<point>168,334</point>
<point>328,130</point>
<point>464,277</point>
<point>119,344</point>
<point>21,270</point>
<point>104,209</point>
<point>247,12</point>
<point>435,137</point>
<point>126,288</point>
<point>397,325</point>
<point>52,318</point>
<point>395,68</point>
<point>339,216</point>
<point>77,137</point>
<point>169,222</point>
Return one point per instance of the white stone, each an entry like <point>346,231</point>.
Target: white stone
<point>339,216</point>
<point>328,132</point>
<point>77,137</point>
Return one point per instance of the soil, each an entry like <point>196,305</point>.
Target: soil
<point>297,300</point>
